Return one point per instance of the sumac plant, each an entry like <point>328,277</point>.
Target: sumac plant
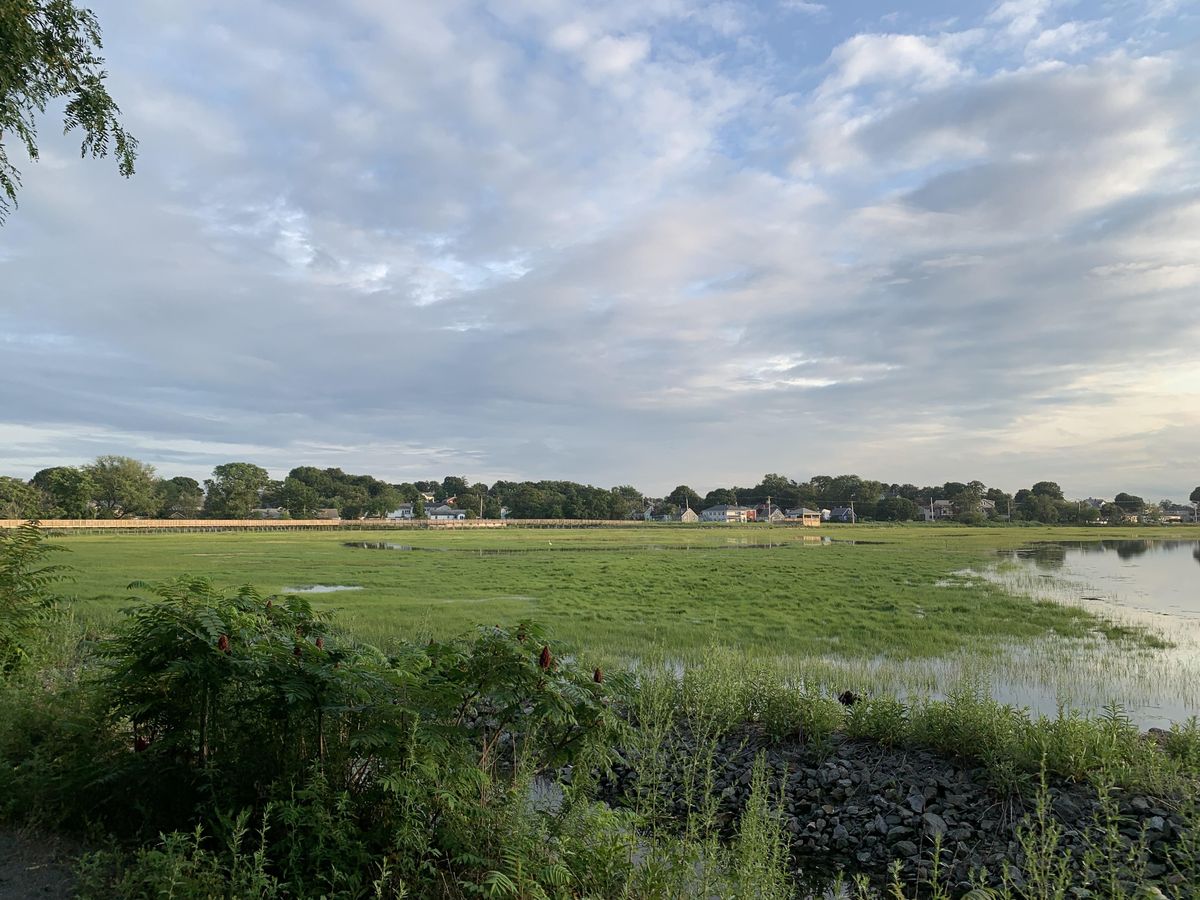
<point>234,699</point>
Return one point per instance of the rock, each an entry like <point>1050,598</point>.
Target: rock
<point>906,849</point>
<point>916,801</point>
<point>935,823</point>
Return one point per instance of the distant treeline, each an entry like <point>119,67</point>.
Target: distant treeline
<point>118,486</point>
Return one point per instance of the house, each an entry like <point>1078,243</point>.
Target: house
<point>726,513</point>
<point>326,514</point>
<point>1178,514</point>
<point>938,510</point>
<point>843,514</point>
<point>768,514</point>
<point>987,507</point>
<point>689,515</point>
<point>445,513</point>
<point>403,511</point>
<point>263,512</point>
<point>427,497</point>
<point>805,516</point>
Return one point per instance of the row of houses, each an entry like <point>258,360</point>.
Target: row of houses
<point>443,513</point>
<point>801,515</point>
<point>940,510</point>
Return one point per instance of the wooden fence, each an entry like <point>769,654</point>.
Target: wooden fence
<point>151,525</point>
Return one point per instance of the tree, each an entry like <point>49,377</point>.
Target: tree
<point>451,486</point>
<point>895,509</point>
<point>1130,503</point>
<point>18,500</point>
<point>298,498</point>
<point>1194,496</point>
<point>48,53</point>
<point>1047,489</point>
<point>123,487</point>
<point>720,497</point>
<point>1113,513</point>
<point>67,492</point>
<point>683,497</point>
<point>1039,508</point>
<point>234,490</point>
<point>180,496</point>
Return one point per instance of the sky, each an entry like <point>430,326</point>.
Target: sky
<point>624,241</point>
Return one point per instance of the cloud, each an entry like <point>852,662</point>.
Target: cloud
<point>651,242</point>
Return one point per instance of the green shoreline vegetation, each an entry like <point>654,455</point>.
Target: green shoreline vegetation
<point>223,742</point>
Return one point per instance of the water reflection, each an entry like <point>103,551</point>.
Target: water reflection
<point>1153,575</point>
<point>1148,584</point>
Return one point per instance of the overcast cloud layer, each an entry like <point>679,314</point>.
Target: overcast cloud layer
<point>647,241</point>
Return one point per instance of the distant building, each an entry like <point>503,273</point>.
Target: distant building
<point>446,513</point>
<point>805,516</point>
<point>727,513</point>
<point>326,514</point>
<point>263,512</point>
<point>689,515</point>
<point>403,511</point>
<point>843,514</point>
<point>768,514</point>
<point>1178,514</point>
<point>938,510</point>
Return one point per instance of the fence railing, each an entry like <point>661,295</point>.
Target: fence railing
<point>146,525</point>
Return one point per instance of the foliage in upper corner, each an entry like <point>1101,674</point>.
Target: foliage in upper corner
<point>27,601</point>
<point>48,51</point>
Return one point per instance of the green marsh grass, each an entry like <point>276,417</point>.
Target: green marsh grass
<point>911,610</point>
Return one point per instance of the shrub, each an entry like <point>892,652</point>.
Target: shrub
<point>27,602</point>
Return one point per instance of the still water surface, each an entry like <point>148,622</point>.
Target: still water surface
<point>1149,584</point>
<point>1151,576</point>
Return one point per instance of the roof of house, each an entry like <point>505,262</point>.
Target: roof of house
<point>725,507</point>
<point>841,511</point>
<point>803,511</point>
<point>445,510</point>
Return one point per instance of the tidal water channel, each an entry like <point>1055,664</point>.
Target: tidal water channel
<point>1151,585</point>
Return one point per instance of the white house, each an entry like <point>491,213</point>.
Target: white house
<point>446,514</point>
<point>727,513</point>
<point>403,511</point>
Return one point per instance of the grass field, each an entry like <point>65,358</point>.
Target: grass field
<point>893,594</point>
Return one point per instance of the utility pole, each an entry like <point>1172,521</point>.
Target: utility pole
<point>769,509</point>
